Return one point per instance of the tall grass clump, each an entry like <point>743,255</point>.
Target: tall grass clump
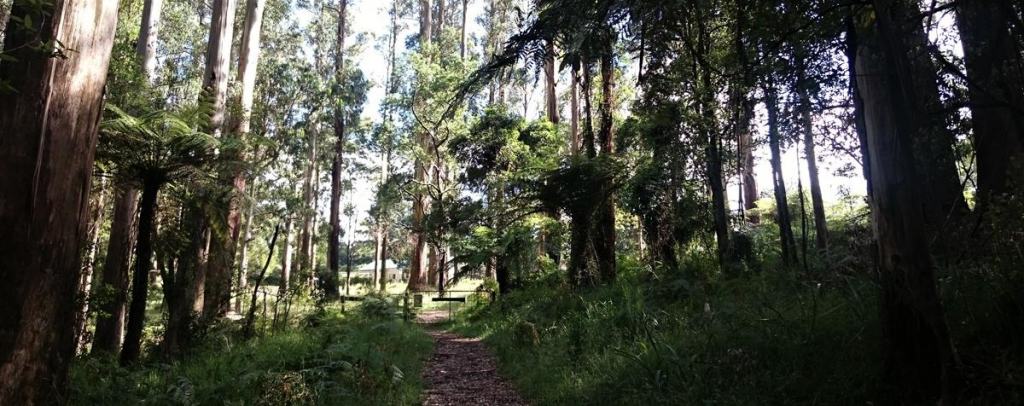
<point>662,339</point>
<point>365,359</point>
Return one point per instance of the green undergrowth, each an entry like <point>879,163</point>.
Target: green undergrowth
<point>368,357</point>
<point>649,339</point>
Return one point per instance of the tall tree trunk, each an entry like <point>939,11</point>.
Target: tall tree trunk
<point>140,280</point>
<point>116,272</point>
<point>218,59</point>
<point>145,47</point>
<point>384,263</point>
<point>714,164</point>
<point>920,364</point>
<point>550,95</point>
<point>783,219</point>
<point>85,280</point>
<point>333,249</point>
<point>284,288</point>
<point>243,261</point>
<point>934,142</point>
<point>744,106</point>
<point>184,289</point>
<point>418,263</point>
<point>817,204</point>
<point>217,296</point>
<point>462,31</point>
<point>587,137</point>
<point>306,248</point>
<point>110,320</point>
<point>858,103</point>
<point>49,125</point>
<point>606,213</point>
<point>248,60</point>
<point>996,91</point>
<point>439,21</point>
<point>574,113</point>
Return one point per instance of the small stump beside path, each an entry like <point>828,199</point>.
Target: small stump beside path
<point>462,371</point>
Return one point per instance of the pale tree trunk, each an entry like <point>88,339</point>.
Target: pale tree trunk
<point>248,60</point>
<point>462,33</point>
<point>550,96</point>
<point>85,284</point>
<point>782,216</point>
<point>49,125</point>
<point>818,205</point>
<point>217,296</point>
<point>145,47</point>
<point>243,259</point>
<point>218,59</point>
<point>333,249</point>
<point>116,272</point>
<point>995,86</point>
<point>418,263</point>
<point>306,248</point>
<point>920,363</point>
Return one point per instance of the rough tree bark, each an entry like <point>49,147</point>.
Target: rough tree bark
<point>333,249</point>
<point>217,296</point>
<point>996,91</point>
<point>920,363</point>
<point>248,60</point>
<point>116,275</point>
<point>49,126</point>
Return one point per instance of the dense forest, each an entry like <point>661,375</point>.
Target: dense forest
<point>557,201</point>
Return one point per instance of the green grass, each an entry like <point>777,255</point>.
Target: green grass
<point>769,339</point>
<point>360,358</point>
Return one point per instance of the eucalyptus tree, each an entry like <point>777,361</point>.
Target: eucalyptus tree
<point>56,58</point>
<point>921,364</point>
<point>334,241</point>
<point>217,296</point>
<point>150,151</point>
<point>996,92</point>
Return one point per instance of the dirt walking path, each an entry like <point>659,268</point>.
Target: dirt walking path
<point>462,371</point>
